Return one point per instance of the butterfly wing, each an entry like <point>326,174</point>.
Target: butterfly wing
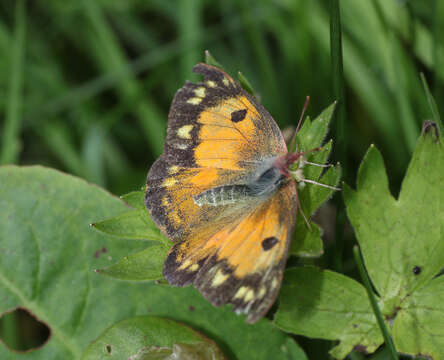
<point>217,135</point>
<point>243,263</point>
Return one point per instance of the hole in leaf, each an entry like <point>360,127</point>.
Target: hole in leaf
<point>22,332</point>
<point>109,349</point>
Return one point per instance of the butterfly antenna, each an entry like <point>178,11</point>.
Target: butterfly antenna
<point>293,139</point>
<point>320,184</point>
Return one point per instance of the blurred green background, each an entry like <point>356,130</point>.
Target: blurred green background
<point>85,86</point>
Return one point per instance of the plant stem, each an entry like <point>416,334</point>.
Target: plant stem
<point>387,338</point>
<point>340,134</point>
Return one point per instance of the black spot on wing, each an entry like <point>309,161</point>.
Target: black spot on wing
<point>239,115</point>
<point>269,243</point>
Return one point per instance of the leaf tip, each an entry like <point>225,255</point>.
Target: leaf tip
<point>430,128</point>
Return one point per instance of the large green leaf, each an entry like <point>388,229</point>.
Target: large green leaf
<point>327,305</point>
<point>152,338</point>
<point>402,243</point>
<point>48,254</point>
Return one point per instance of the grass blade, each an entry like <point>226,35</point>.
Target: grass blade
<point>432,104</point>
<point>11,145</point>
<point>340,133</point>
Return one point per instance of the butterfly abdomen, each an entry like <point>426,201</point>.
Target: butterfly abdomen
<point>266,184</point>
<point>222,195</point>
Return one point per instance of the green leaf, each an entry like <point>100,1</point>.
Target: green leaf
<point>312,133</point>
<point>136,224</point>
<point>145,265</point>
<point>418,327</point>
<point>147,338</point>
<point>327,305</point>
<point>210,60</point>
<point>47,256</point>
<point>402,241</point>
<point>246,85</point>
<point>308,243</point>
<point>11,146</point>
<point>397,235</point>
<point>135,199</point>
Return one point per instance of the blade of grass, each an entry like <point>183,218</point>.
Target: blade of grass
<point>189,27</point>
<point>58,138</point>
<point>438,30</point>
<point>111,57</point>
<point>407,119</point>
<point>340,133</point>
<point>11,144</point>
<point>368,287</point>
<point>397,65</point>
<point>146,61</point>
<point>362,79</point>
<point>256,37</point>
<point>432,104</point>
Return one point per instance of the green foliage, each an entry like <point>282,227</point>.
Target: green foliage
<point>327,305</point>
<point>403,249</point>
<point>307,241</point>
<point>152,338</point>
<point>47,262</point>
<point>86,87</point>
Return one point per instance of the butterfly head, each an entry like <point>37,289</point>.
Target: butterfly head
<point>290,165</point>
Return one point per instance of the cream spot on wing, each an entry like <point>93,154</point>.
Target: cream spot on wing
<point>262,292</point>
<point>194,101</point>
<point>185,264</point>
<point>219,278</point>
<point>169,182</point>
<point>249,296</point>
<point>211,84</point>
<point>200,92</point>
<point>184,131</point>
<point>194,267</point>
<point>165,201</point>
<point>274,283</point>
<point>225,81</point>
<point>180,146</point>
<point>241,292</point>
<point>173,169</point>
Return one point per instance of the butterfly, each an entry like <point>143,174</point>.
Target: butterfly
<point>224,193</point>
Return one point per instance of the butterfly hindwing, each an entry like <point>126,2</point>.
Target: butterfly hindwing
<point>241,264</point>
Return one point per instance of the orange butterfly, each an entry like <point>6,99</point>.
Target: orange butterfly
<point>223,192</point>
